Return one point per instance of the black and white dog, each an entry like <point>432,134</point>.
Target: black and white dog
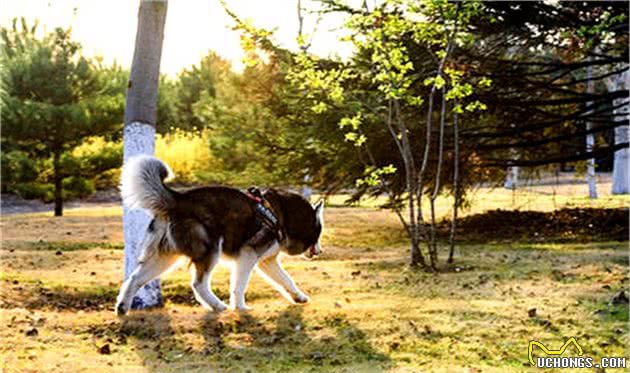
<point>210,223</point>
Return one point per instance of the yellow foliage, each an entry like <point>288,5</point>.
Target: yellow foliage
<point>95,145</point>
<point>185,152</point>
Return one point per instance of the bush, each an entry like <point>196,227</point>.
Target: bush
<point>77,187</point>
<point>17,168</point>
<point>100,160</point>
<point>93,164</point>
<point>187,153</point>
<point>108,179</point>
<point>44,192</point>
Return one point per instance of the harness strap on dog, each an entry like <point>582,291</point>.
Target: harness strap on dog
<point>264,212</point>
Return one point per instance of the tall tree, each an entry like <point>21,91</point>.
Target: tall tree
<point>139,131</point>
<point>590,141</point>
<point>198,82</point>
<point>401,74</point>
<point>544,81</point>
<point>53,97</point>
<point>621,177</point>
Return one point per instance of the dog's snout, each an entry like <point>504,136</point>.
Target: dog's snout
<point>314,250</point>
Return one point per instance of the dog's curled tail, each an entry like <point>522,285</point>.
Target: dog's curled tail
<point>142,184</point>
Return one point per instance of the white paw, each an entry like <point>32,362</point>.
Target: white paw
<point>121,309</point>
<point>241,308</point>
<point>220,307</point>
<point>301,298</point>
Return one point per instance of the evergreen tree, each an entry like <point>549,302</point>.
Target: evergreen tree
<point>52,97</point>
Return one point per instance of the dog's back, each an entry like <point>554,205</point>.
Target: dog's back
<point>225,213</point>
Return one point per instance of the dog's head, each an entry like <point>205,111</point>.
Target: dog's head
<point>302,223</point>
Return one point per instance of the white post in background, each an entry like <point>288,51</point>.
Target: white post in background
<point>139,131</point>
<point>511,178</point>
<point>590,140</point>
<point>620,182</point>
<point>307,191</point>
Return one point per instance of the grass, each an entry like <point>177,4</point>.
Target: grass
<point>368,311</point>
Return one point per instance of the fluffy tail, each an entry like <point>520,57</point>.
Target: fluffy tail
<point>142,184</point>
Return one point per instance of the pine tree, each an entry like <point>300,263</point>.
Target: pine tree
<point>52,97</point>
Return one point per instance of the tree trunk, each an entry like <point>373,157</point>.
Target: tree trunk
<point>58,184</point>
<point>451,236</point>
<point>620,166</point>
<point>433,246</point>
<point>590,141</point>
<point>139,131</point>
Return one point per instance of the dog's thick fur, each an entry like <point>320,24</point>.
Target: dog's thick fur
<point>210,223</point>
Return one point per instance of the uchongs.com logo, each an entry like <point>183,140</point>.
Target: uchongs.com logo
<point>554,358</point>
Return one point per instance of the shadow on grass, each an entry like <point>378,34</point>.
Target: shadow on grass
<point>33,295</point>
<point>241,342</point>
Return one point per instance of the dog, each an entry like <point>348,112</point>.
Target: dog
<point>211,223</point>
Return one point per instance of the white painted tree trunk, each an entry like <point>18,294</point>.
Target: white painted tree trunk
<point>620,182</point>
<point>139,138</point>
<point>511,178</point>
<point>591,178</point>
<point>139,131</point>
<point>307,192</point>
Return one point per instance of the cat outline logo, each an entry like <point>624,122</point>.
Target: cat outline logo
<point>552,352</point>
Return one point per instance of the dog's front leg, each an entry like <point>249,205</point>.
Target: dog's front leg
<point>273,272</point>
<point>240,276</point>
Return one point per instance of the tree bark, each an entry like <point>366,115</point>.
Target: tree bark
<point>139,131</point>
<point>451,236</point>
<point>433,257</point>
<point>590,141</point>
<point>58,183</point>
<point>620,182</point>
<point>425,158</point>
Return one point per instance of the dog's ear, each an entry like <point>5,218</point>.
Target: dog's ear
<point>319,210</point>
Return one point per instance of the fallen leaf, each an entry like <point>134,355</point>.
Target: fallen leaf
<point>104,349</point>
<point>32,332</point>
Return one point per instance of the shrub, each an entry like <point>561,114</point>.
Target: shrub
<point>77,187</point>
<point>17,168</point>
<point>34,190</point>
<point>187,153</point>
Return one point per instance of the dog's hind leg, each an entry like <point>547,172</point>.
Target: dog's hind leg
<point>240,276</point>
<point>149,268</point>
<point>271,270</point>
<point>201,283</point>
